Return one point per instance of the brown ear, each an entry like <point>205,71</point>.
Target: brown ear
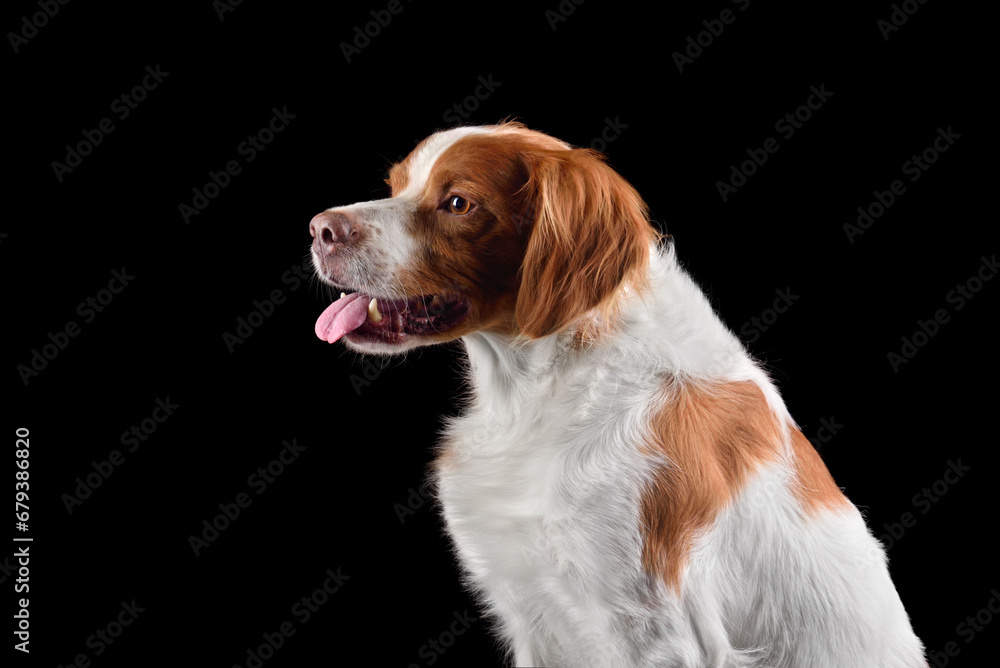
<point>591,233</point>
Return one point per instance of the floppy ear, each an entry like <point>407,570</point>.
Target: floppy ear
<point>591,233</point>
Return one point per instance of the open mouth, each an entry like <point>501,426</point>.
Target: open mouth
<point>367,318</point>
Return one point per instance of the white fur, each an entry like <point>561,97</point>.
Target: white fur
<point>427,154</point>
<point>541,496</point>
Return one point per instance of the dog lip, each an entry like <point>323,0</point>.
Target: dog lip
<point>401,315</point>
<point>419,315</point>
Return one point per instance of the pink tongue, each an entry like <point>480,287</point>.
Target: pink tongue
<point>342,316</point>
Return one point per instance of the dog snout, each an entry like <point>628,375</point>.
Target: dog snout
<point>333,231</point>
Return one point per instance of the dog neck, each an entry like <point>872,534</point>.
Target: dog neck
<point>667,331</point>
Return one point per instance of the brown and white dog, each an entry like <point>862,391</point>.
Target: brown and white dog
<point>626,486</point>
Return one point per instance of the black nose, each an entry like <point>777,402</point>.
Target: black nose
<point>333,231</point>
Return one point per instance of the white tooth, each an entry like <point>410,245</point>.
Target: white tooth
<point>343,294</point>
<point>373,313</point>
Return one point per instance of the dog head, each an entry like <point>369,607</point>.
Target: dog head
<point>491,228</point>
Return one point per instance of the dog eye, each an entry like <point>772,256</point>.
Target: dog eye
<point>459,205</point>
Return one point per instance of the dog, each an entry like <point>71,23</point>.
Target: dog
<point>626,486</point>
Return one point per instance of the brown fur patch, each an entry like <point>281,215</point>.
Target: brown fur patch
<point>478,254</point>
<point>590,235</point>
<point>714,437</point>
<point>816,490</point>
<point>553,233</point>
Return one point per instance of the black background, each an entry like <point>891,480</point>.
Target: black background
<point>368,432</point>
